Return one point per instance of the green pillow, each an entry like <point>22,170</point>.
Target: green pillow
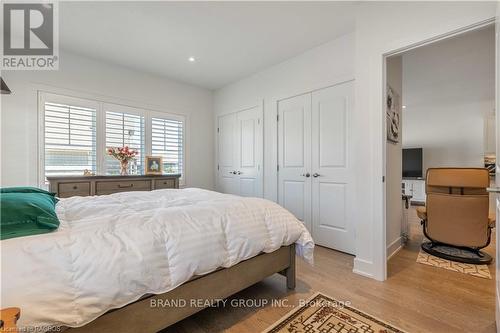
<point>24,189</point>
<point>27,213</point>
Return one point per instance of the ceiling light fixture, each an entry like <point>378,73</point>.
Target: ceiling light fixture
<point>404,106</point>
<point>191,59</point>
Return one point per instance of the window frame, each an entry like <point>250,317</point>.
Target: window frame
<point>101,106</point>
<point>149,136</point>
<point>110,107</point>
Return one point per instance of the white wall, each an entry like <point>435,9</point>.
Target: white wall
<point>89,78</point>
<point>448,89</point>
<point>381,28</point>
<point>317,68</point>
<point>394,77</point>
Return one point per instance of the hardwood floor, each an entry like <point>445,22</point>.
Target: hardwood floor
<point>415,297</point>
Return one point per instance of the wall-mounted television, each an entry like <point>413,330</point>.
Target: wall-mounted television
<point>412,163</point>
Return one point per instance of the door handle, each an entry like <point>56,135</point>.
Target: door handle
<point>239,172</point>
<point>232,172</point>
<point>316,175</point>
<point>307,175</point>
<point>493,189</point>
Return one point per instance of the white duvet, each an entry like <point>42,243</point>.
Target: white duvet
<point>111,250</point>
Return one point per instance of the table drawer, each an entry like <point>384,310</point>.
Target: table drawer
<point>164,183</point>
<point>66,190</point>
<point>107,187</point>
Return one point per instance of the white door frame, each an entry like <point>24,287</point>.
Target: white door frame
<point>497,181</point>
<point>383,263</point>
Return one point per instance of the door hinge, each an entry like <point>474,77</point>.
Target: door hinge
<point>383,179</point>
<point>217,130</point>
<point>217,167</point>
<point>258,121</point>
<point>277,117</point>
<point>278,167</point>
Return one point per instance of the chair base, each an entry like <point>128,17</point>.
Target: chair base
<point>455,253</point>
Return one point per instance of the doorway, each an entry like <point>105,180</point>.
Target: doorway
<point>441,114</point>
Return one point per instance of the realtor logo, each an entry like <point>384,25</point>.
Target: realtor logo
<point>30,39</point>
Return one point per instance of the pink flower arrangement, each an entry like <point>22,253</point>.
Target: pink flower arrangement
<point>122,153</point>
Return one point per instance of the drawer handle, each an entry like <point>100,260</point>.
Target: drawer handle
<point>75,187</point>
<point>125,186</point>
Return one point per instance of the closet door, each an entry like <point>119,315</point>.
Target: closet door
<point>294,156</point>
<point>249,152</point>
<point>227,180</point>
<point>332,169</point>
<point>240,153</point>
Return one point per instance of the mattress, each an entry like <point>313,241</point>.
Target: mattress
<point>111,250</point>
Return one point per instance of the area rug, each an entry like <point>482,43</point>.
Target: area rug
<point>481,271</point>
<point>323,314</point>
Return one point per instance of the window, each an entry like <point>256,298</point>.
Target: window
<point>77,132</point>
<point>167,141</point>
<point>124,129</point>
<point>70,139</point>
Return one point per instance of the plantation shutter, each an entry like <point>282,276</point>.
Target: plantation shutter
<point>168,141</point>
<point>125,129</point>
<point>70,139</point>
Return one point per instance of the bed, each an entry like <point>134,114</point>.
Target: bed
<point>115,256</point>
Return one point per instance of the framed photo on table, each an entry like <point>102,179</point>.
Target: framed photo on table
<point>153,165</point>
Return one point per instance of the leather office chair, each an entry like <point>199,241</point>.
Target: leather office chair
<point>456,216</point>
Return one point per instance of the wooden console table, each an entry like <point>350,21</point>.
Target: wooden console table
<point>69,186</point>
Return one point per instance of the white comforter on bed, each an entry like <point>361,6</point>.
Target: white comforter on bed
<point>111,250</point>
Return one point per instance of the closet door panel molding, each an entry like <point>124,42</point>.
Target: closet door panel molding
<point>240,152</point>
<point>332,187</point>
<point>294,156</point>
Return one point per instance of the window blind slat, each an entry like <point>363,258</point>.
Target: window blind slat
<point>167,141</point>
<point>124,129</point>
<point>70,139</point>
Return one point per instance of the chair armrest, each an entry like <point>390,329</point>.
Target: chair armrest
<point>422,212</point>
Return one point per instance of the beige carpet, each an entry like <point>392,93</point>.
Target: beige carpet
<point>481,271</point>
<point>323,314</point>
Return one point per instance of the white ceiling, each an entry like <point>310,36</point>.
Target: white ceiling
<point>229,40</point>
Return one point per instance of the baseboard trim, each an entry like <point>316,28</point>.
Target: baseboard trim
<point>497,311</point>
<point>363,267</point>
<point>394,247</point>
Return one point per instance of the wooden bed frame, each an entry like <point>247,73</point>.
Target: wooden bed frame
<point>142,317</point>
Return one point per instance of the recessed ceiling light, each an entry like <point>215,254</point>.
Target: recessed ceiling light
<point>191,59</point>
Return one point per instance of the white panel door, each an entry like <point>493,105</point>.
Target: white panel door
<point>227,180</point>
<point>332,170</point>
<point>249,152</point>
<point>294,156</point>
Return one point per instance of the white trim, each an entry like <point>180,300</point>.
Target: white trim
<point>441,37</point>
<point>101,107</point>
<point>181,118</point>
<point>394,247</point>
<point>42,98</point>
<point>101,144</point>
<point>339,81</point>
<point>363,267</point>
